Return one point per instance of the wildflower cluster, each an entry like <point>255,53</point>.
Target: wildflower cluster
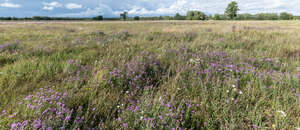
<point>47,110</point>
<point>143,71</point>
<point>76,73</point>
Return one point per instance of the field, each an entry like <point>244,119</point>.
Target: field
<point>150,75</point>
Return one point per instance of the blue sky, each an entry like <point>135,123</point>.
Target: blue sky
<point>112,8</point>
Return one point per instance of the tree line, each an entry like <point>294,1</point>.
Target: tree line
<point>231,13</point>
<point>51,18</point>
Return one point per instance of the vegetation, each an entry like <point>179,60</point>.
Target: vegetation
<point>100,18</point>
<point>195,15</point>
<point>51,18</point>
<point>231,10</point>
<point>179,17</point>
<point>154,75</point>
<point>123,16</point>
<point>285,16</point>
<point>136,18</point>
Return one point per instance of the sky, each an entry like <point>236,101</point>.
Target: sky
<point>112,8</point>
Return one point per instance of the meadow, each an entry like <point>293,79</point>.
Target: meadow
<point>150,75</point>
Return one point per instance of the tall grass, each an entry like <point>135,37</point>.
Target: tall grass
<point>169,75</point>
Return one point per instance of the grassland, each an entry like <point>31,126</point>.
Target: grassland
<point>150,75</point>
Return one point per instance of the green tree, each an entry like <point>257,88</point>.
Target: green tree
<point>232,9</point>
<point>217,17</point>
<point>195,15</point>
<point>123,15</point>
<point>178,17</point>
<point>136,18</point>
<point>100,18</point>
<point>160,18</point>
<point>190,15</point>
<point>285,16</point>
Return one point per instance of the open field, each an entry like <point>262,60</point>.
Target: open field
<point>150,75</point>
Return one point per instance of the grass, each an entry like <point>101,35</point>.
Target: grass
<point>150,75</point>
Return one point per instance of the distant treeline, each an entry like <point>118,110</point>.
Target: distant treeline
<point>197,15</point>
<point>51,18</point>
<point>191,15</point>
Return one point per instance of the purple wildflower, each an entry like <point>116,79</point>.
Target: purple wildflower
<point>67,118</point>
<point>125,125</point>
<point>14,125</point>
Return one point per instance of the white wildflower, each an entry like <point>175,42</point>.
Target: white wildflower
<point>235,89</point>
<point>241,92</point>
<point>232,99</point>
<point>233,86</point>
<point>297,128</point>
<point>227,91</point>
<point>159,98</point>
<point>192,61</point>
<point>282,113</point>
<point>127,91</point>
<point>142,117</point>
<point>298,69</point>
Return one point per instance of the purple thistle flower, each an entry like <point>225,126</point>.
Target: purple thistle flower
<point>37,124</point>
<point>125,125</point>
<point>70,62</point>
<point>25,123</point>
<point>67,118</point>
<point>14,125</point>
<point>13,115</point>
<point>136,109</point>
<point>29,105</point>
<point>255,126</point>
<point>160,117</point>
<point>49,128</point>
<point>80,108</point>
<point>169,105</point>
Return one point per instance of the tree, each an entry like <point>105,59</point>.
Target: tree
<point>195,15</point>
<point>232,9</point>
<point>210,17</point>
<point>178,17</point>
<point>160,18</point>
<point>136,18</point>
<point>190,15</point>
<point>217,17</point>
<point>285,16</point>
<point>123,15</point>
<point>100,18</point>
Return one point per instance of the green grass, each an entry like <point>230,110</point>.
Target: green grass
<point>163,75</point>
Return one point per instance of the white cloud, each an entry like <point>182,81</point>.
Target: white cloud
<point>10,5</point>
<point>52,5</point>
<point>73,6</point>
<point>100,10</point>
